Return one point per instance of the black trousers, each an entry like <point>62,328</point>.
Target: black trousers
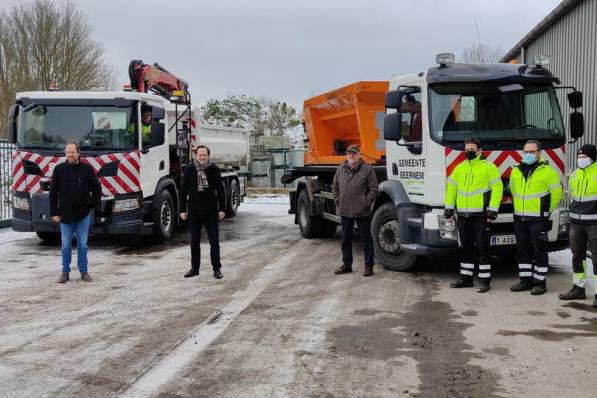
<point>211,225</point>
<point>364,224</point>
<point>474,239</point>
<point>582,237</point>
<point>531,249</point>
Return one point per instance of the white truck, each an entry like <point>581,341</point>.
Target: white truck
<point>428,116</point>
<point>140,180</point>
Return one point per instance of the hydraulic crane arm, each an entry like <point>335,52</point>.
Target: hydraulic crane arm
<point>160,81</point>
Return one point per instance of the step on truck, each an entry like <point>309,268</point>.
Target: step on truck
<point>140,177</point>
<point>412,129</point>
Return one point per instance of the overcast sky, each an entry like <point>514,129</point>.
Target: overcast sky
<point>291,50</point>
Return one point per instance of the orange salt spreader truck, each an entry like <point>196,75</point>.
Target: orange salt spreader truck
<point>412,129</point>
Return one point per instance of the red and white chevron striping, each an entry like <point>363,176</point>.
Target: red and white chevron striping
<point>505,160</point>
<point>126,180</point>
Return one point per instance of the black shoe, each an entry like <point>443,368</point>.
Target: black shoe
<point>483,288</point>
<point>462,283</point>
<point>539,289</point>
<point>576,293</point>
<point>192,272</point>
<point>63,278</point>
<point>344,269</point>
<point>217,274</point>
<point>522,286</point>
<point>368,270</point>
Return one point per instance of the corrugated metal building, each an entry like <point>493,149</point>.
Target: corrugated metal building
<point>568,35</point>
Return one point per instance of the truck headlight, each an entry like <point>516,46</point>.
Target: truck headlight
<point>21,203</point>
<point>125,205</point>
<point>564,223</point>
<point>447,228</point>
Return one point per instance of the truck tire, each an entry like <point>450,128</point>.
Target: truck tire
<point>386,240</point>
<point>310,226</point>
<point>49,237</point>
<point>233,199</point>
<point>163,220</point>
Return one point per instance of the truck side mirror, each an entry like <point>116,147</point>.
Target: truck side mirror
<point>391,126</point>
<point>393,99</point>
<point>575,99</point>
<point>157,134</point>
<point>12,123</point>
<point>158,113</point>
<point>577,125</point>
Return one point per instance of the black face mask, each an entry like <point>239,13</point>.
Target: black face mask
<point>470,155</point>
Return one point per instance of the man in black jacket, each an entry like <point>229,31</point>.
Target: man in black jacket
<point>74,192</point>
<point>202,201</point>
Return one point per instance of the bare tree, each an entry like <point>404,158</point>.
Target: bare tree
<point>481,54</point>
<point>42,42</point>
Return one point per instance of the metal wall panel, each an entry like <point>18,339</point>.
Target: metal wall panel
<point>572,45</point>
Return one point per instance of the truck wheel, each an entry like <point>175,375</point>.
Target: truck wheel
<point>163,221</point>
<point>49,237</point>
<point>310,226</point>
<point>233,199</point>
<point>386,240</point>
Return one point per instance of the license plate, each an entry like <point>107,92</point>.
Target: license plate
<point>499,240</point>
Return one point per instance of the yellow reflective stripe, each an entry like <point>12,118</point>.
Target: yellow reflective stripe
<point>530,196</point>
<point>529,213</point>
<point>469,210</point>
<point>473,193</point>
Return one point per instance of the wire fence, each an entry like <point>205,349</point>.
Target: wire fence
<point>6,150</point>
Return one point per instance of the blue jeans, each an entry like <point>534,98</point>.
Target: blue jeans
<point>81,229</point>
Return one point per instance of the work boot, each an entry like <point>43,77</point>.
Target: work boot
<point>344,269</point>
<point>576,293</point>
<point>63,278</point>
<point>192,272</point>
<point>524,284</point>
<point>217,274</point>
<point>461,283</point>
<point>368,270</point>
<point>483,287</point>
<point>539,289</point>
<point>85,276</point>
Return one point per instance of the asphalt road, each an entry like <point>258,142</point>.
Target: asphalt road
<point>280,323</point>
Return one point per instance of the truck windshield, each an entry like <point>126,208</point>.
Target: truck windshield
<point>93,127</point>
<point>495,114</point>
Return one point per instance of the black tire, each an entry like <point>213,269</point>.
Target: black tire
<point>49,237</point>
<point>328,228</point>
<point>233,199</point>
<point>163,219</point>
<point>310,226</point>
<point>386,240</point>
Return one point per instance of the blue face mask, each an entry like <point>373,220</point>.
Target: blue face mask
<point>528,158</point>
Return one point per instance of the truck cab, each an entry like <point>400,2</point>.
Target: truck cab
<point>140,178</point>
<point>429,115</point>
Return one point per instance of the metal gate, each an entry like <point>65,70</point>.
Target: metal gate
<point>6,150</point>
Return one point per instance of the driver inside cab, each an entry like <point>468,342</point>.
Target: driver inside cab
<point>145,126</point>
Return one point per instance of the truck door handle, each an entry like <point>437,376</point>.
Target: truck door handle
<point>161,165</point>
<point>394,169</point>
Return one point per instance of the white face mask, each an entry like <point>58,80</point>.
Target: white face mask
<point>584,162</point>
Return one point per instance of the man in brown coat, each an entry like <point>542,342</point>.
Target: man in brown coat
<point>355,188</point>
